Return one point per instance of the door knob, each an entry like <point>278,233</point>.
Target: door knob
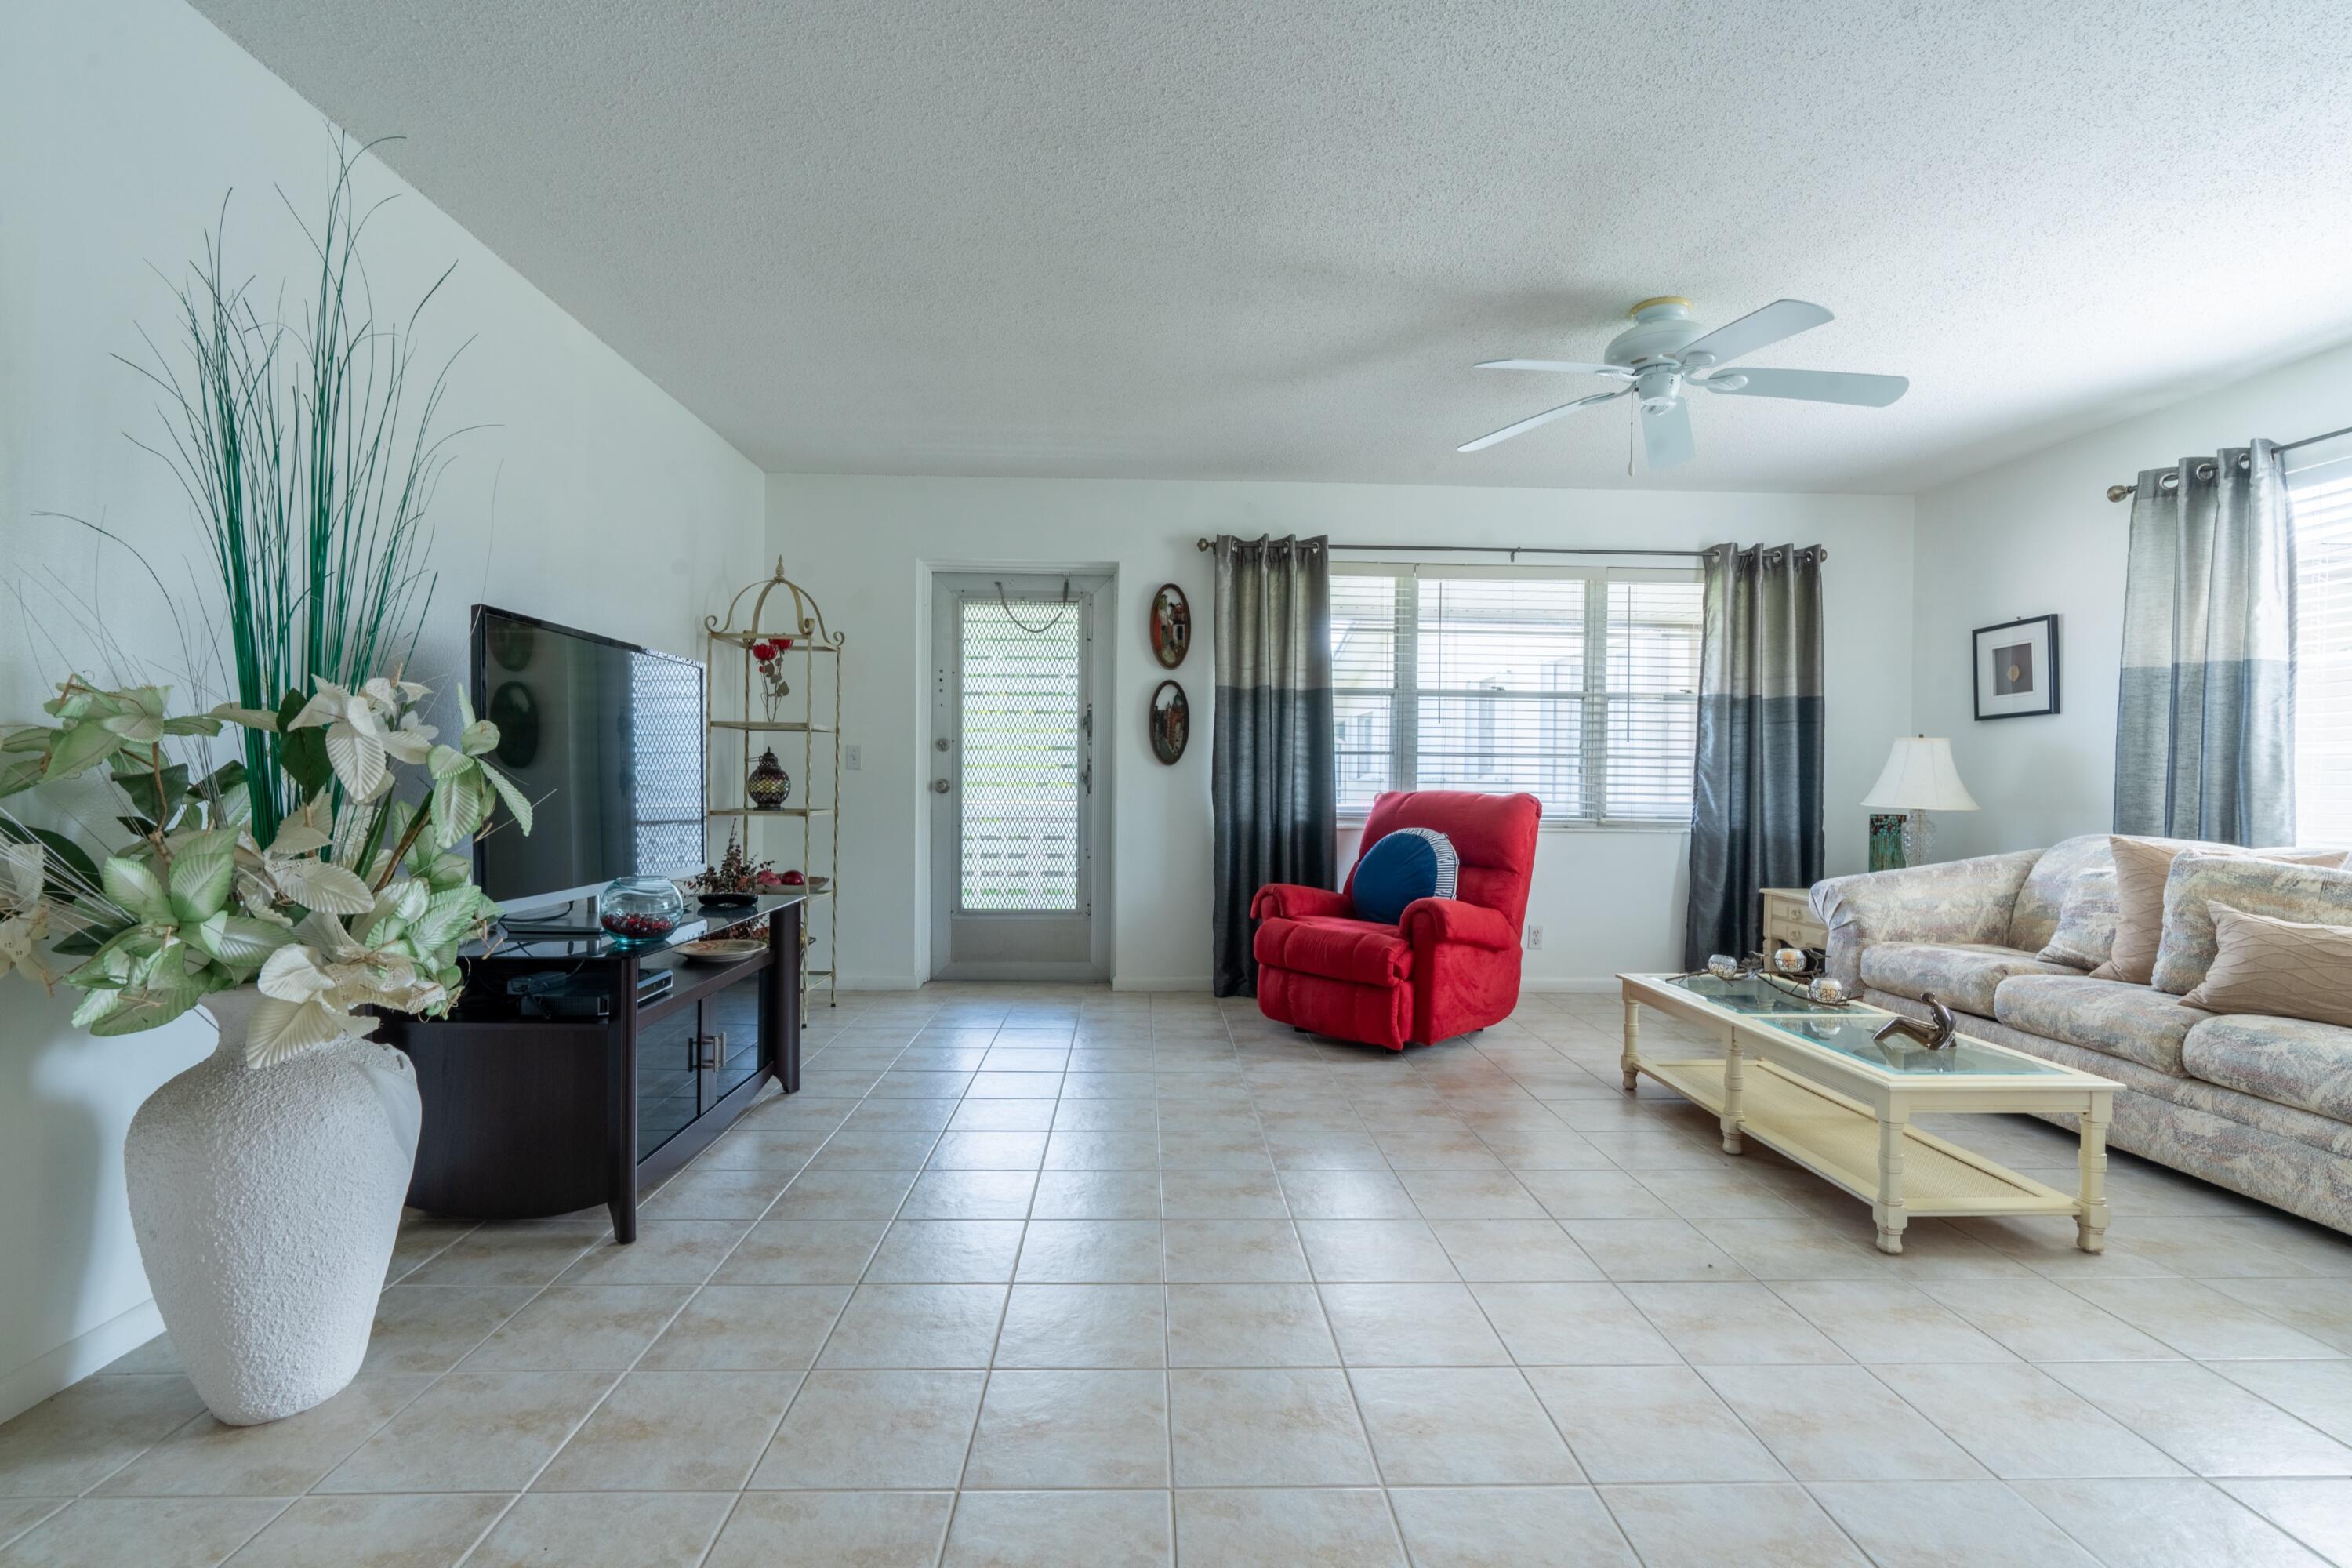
<point>939,786</point>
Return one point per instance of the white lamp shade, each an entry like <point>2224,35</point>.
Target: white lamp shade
<point>1919,776</point>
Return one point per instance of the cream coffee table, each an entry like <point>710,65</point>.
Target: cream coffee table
<point>1810,1082</point>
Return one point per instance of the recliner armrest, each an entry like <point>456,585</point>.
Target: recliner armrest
<point>1289,900</point>
<point>1428,921</point>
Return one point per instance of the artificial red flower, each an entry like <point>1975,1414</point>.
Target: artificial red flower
<point>763,650</point>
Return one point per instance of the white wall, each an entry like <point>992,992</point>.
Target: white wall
<point>595,500</point>
<point>1608,900</point>
<point>2037,535</point>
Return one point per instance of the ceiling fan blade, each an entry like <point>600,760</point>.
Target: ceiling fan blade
<point>1756,330</point>
<point>1667,436</point>
<point>1545,417</point>
<point>1559,366</point>
<point>1815,386</point>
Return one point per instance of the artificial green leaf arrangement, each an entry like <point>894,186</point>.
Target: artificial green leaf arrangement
<point>310,483</point>
<point>355,897</point>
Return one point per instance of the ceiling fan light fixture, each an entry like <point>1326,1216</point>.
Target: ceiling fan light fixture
<point>1665,351</point>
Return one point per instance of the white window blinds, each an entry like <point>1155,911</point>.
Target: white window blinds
<point>1578,687</point>
<point>2319,492</point>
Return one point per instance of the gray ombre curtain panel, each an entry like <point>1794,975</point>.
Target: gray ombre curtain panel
<point>2205,712</point>
<point>1755,807</point>
<point>1270,782</point>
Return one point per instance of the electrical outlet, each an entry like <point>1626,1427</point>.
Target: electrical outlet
<point>852,759</point>
<point>1535,939</point>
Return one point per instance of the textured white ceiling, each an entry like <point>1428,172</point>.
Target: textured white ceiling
<point>1255,238</point>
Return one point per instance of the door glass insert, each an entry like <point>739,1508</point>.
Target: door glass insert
<point>1021,761</point>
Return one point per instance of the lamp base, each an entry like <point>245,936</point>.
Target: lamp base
<point>1918,838</point>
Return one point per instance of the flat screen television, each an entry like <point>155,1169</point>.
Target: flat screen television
<point>607,739</point>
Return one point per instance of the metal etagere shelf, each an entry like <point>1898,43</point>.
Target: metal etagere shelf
<point>808,706</point>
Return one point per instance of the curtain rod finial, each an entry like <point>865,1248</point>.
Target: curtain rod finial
<point>2120,492</point>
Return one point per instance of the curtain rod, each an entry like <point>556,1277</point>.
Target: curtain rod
<point>1498,550</point>
<point>2123,492</point>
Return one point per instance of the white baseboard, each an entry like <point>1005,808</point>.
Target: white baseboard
<point>880,983</point>
<point>1160,983</point>
<point>1607,983</point>
<point>77,1358</point>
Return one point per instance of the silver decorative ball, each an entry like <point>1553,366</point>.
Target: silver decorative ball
<point>1827,990</point>
<point>1723,966</point>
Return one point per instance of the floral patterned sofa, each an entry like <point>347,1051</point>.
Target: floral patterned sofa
<point>2257,1104</point>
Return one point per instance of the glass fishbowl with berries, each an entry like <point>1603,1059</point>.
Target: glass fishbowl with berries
<point>641,909</point>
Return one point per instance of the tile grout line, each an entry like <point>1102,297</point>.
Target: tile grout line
<point>1582,1469</point>
<point>1254,1088</point>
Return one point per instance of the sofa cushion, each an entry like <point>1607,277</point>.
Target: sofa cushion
<point>1964,975</point>
<point>1355,951</point>
<point>2287,1061</point>
<point>2128,1021</point>
<point>2041,902</point>
<point>2142,872</point>
<point>2310,894</point>
<point>2085,936</point>
<point>2279,968</point>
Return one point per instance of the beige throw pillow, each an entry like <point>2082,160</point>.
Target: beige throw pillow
<point>2141,866</point>
<point>2280,968</point>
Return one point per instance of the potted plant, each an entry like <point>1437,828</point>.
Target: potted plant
<point>736,882</point>
<point>289,890</point>
<point>266,1181</point>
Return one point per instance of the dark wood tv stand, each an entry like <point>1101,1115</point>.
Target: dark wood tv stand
<point>528,1117</point>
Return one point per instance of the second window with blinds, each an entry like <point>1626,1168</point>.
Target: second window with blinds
<point>1578,687</point>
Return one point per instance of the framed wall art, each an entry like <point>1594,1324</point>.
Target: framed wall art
<point>1171,625</point>
<point>1172,722</point>
<point>2017,669</point>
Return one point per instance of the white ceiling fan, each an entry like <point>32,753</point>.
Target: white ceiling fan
<point>1664,351</point>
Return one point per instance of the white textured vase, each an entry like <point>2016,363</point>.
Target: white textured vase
<point>266,1202</point>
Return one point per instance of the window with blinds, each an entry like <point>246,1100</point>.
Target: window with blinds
<point>2319,499</point>
<point>1578,687</point>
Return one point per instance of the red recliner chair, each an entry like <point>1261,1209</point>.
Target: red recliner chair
<point>1448,966</point>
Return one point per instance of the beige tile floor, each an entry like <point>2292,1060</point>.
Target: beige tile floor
<point>1053,1276</point>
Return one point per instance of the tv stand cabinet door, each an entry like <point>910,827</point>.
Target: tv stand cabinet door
<point>515,1118</point>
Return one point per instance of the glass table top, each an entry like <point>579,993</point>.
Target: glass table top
<point>1964,1058</point>
<point>1847,1031</point>
<point>694,925</point>
<point>1750,993</point>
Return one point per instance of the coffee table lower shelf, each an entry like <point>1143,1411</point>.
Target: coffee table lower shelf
<point>1837,1140</point>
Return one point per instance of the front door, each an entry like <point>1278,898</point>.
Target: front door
<point>1013,781</point>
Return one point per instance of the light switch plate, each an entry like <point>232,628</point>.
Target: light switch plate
<point>852,759</point>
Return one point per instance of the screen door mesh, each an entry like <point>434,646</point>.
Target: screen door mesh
<point>1019,793</point>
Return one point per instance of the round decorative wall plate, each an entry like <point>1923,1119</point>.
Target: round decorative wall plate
<point>1172,722</point>
<point>1171,625</point>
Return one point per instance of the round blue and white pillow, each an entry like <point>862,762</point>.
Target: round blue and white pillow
<point>1411,863</point>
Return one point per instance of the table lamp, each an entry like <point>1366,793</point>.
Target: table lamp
<point>1919,778</point>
